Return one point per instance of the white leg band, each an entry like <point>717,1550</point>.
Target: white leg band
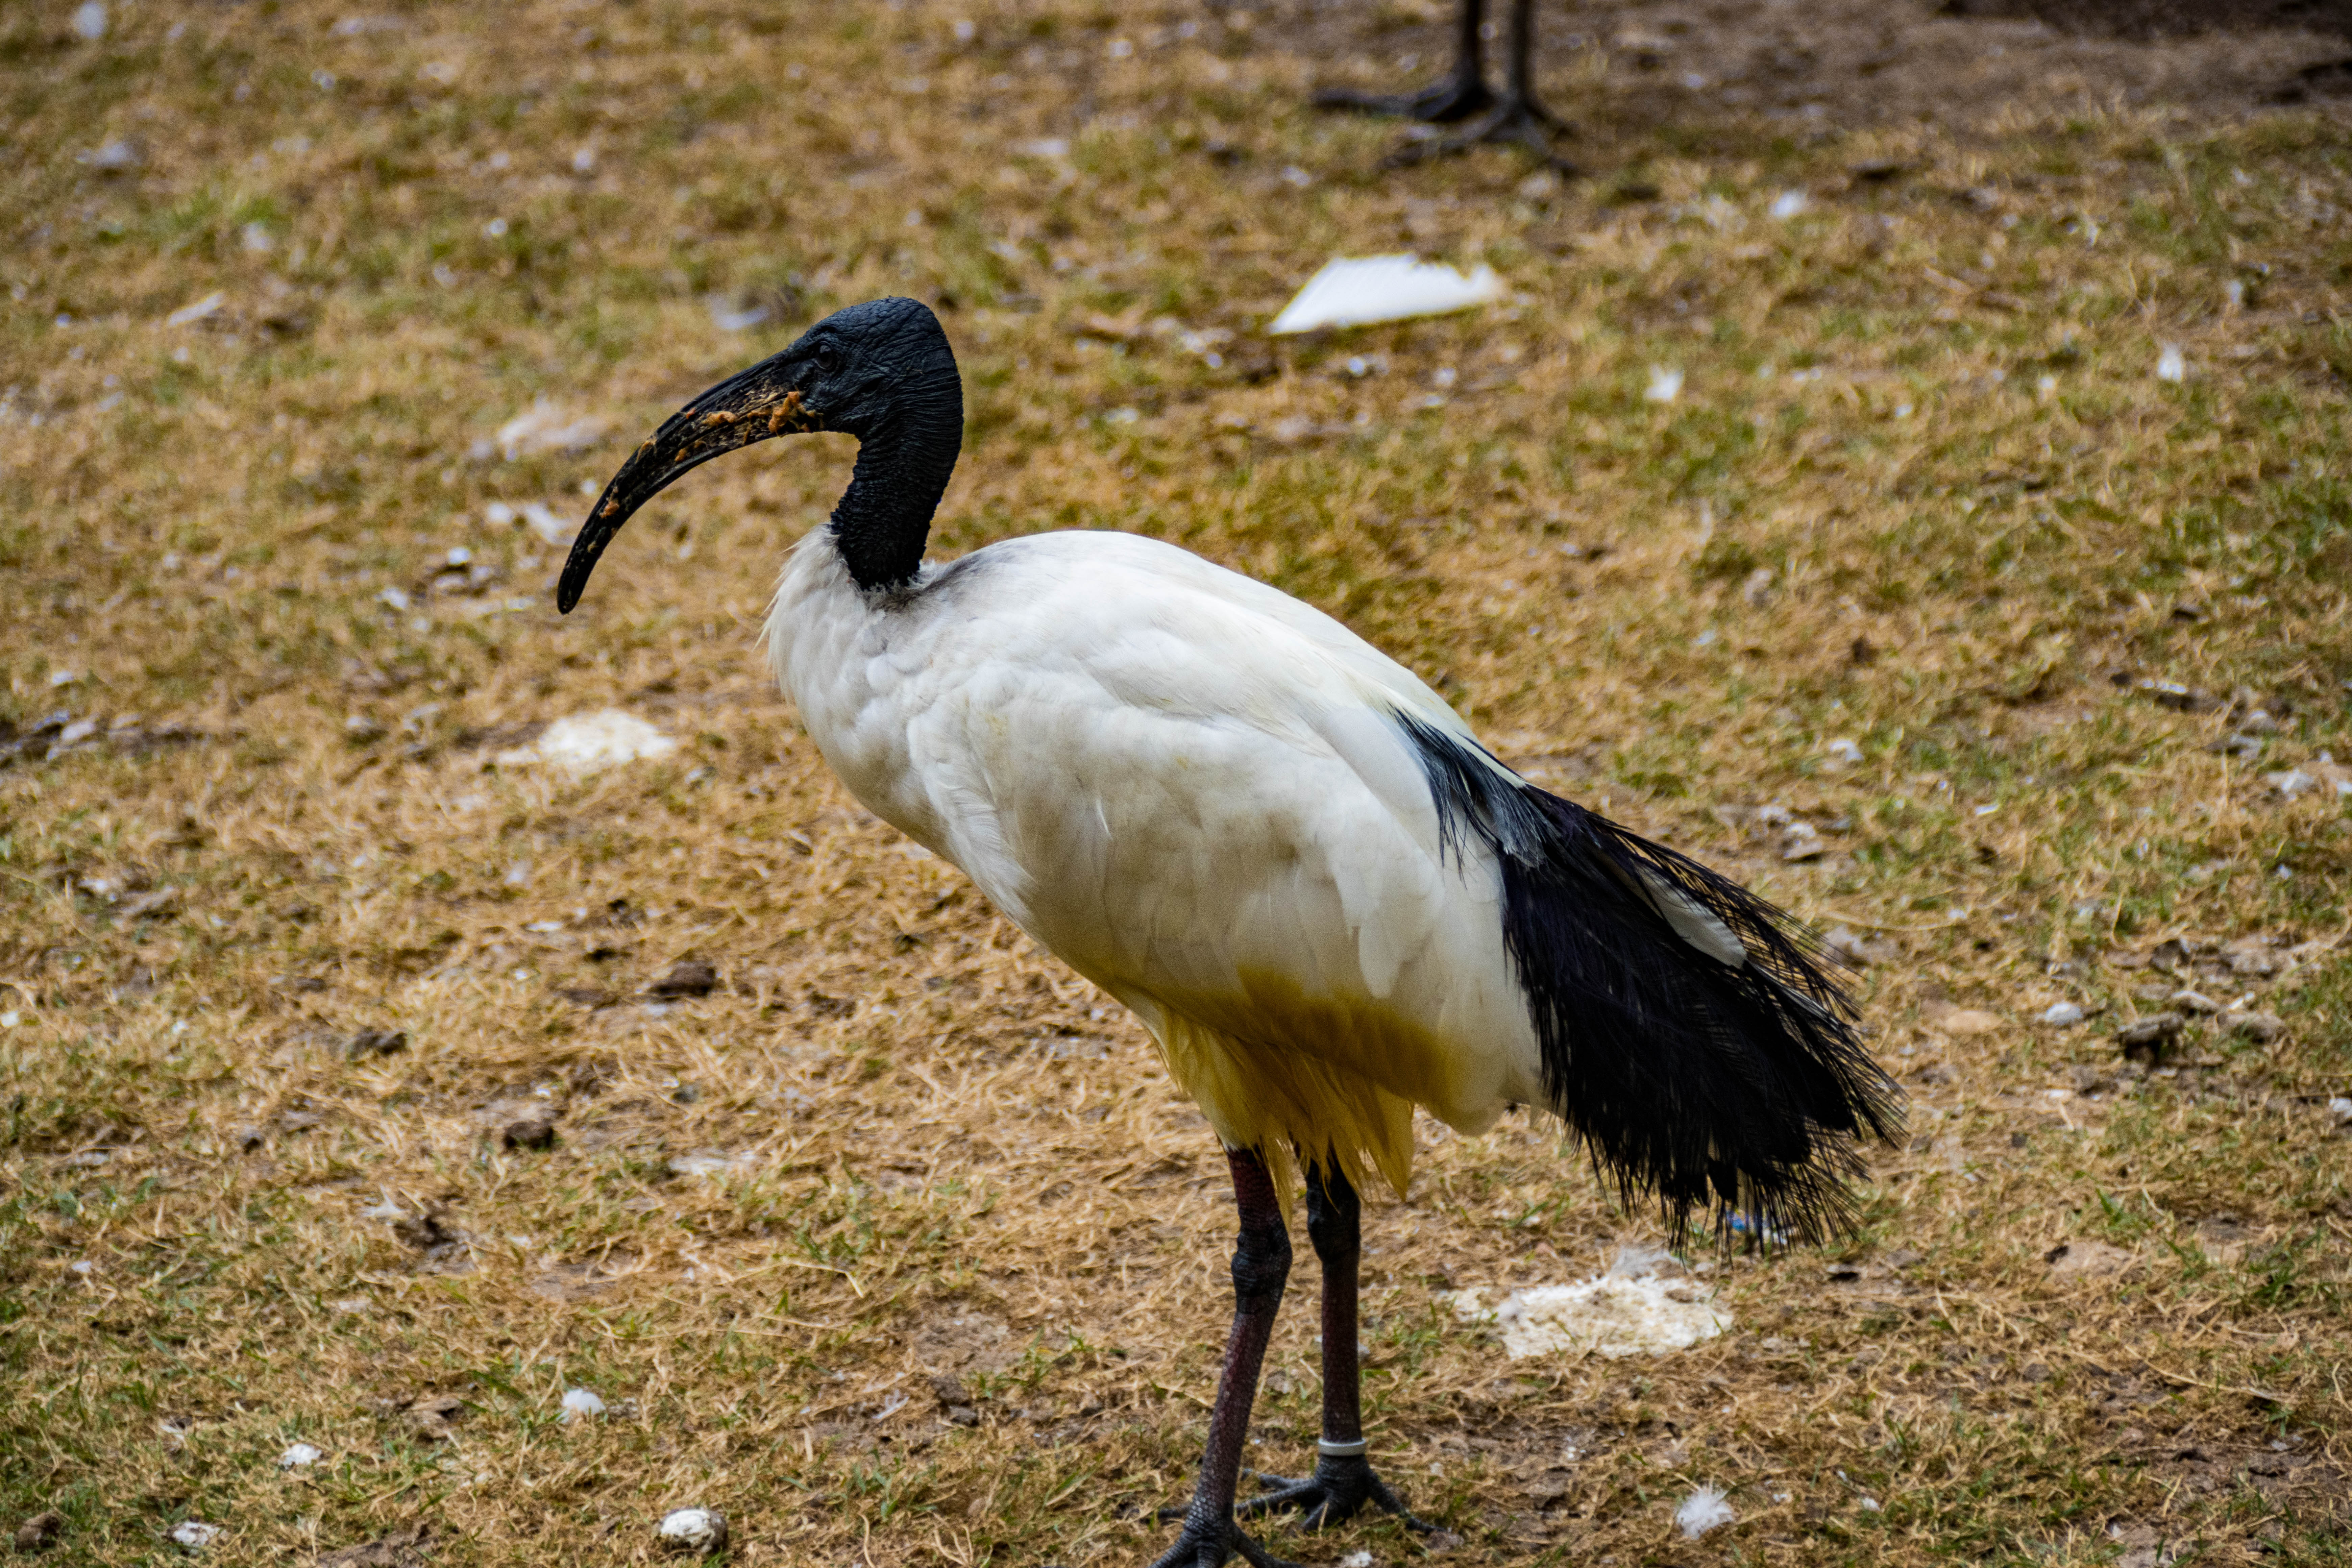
<point>1354,1450</point>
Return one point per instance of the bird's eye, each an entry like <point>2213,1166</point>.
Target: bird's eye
<point>828,359</point>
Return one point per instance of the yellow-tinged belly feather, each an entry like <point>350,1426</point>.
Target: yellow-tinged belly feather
<point>1275,1068</point>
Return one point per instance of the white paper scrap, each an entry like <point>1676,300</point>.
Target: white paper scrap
<point>1355,291</point>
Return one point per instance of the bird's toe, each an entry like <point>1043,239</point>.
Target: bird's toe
<point>1278,1492</point>
<point>1517,122</point>
<point>1211,1547</point>
<point>1254,1554</point>
<point>1442,102</point>
<point>1341,1489</point>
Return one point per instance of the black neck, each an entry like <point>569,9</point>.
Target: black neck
<point>903,464</point>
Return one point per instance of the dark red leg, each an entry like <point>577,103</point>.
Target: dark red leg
<point>1457,95</point>
<point>1343,1481</point>
<point>1261,1266</point>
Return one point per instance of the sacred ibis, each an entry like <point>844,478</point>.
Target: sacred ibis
<point>1462,94</point>
<point>1325,900</point>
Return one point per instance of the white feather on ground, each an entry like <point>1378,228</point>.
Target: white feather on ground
<point>1703,1511</point>
<point>1644,1305</point>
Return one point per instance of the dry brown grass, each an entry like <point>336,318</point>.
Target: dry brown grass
<point>1922,491</point>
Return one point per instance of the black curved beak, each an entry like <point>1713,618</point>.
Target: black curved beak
<point>761,402</point>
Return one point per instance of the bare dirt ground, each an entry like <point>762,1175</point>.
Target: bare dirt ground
<point>1657,74</point>
<point>1908,473</point>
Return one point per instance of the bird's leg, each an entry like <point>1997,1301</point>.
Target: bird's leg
<point>1457,95</point>
<point>1343,1481</point>
<point>1519,69</point>
<point>1261,1264</point>
<point>1517,118</point>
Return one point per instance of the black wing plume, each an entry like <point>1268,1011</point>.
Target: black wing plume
<point>1693,1035</point>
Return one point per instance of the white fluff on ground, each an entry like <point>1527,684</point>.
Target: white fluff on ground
<point>588,742</point>
<point>544,427</point>
<point>1644,1305</point>
<point>535,515</point>
<point>694,1529</point>
<point>1703,1511</point>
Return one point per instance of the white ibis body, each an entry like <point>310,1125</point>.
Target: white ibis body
<point>1325,900</point>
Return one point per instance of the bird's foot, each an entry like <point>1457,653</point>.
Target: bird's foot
<point>1441,102</point>
<point>1519,122</point>
<point>1209,1545</point>
<point>1339,1489</point>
